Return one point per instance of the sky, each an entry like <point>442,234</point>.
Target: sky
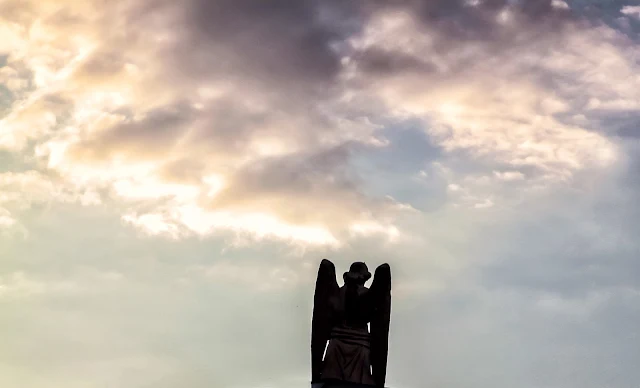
<point>172,173</point>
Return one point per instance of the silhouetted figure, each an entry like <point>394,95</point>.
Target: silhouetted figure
<point>340,316</point>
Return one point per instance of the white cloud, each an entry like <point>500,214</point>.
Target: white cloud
<point>630,10</point>
<point>509,175</point>
<point>107,116</point>
<point>6,220</point>
<point>500,108</point>
<point>366,229</point>
<point>453,187</point>
<point>487,203</point>
<point>561,4</point>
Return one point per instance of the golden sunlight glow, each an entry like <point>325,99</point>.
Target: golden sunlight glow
<point>149,188</point>
<point>258,225</point>
<point>215,184</point>
<point>451,110</point>
<point>270,147</point>
<point>370,228</point>
<point>153,224</point>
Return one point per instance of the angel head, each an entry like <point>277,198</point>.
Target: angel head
<point>358,274</point>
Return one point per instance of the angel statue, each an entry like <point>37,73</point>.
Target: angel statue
<point>341,316</point>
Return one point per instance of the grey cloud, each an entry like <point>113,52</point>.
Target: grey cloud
<point>294,184</point>
<point>623,123</point>
<point>106,64</point>
<point>281,53</point>
<point>293,48</point>
<point>275,62</point>
<point>227,126</point>
<point>282,46</point>
<point>187,170</point>
<point>282,37</point>
<point>463,18</point>
<point>299,172</point>
<point>154,134</point>
<point>223,128</point>
<point>457,27</point>
<point>376,61</point>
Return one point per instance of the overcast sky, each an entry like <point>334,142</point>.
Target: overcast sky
<point>172,173</point>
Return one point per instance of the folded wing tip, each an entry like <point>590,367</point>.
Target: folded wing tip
<point>325,262</point>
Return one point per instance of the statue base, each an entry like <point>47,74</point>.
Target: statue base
<point>340,385</point>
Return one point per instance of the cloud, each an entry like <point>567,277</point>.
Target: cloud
<point>509,175</point>
<point>267,120</point>
<point>182,167</point>
<point>630,10</point>
<point>6,220</point>
<point>119,129</point>
<point>496,105</point>
<point>504,103</point>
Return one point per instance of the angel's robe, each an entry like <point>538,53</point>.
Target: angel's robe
<point>349,350</point>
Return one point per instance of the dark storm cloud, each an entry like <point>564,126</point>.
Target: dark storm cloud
<point>295,46</point>
<point>284,46</point>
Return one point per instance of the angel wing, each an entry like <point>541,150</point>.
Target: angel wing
<point>326,287</point>
<point>381,297</point>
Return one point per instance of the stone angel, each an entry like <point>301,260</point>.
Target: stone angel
<point>342,317</point>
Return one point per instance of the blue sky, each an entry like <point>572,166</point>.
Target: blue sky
<point>172,173</point>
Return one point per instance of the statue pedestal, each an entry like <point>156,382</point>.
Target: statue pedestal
<point>340,385</point>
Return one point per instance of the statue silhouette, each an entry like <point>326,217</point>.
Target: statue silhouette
<point>341,316</point>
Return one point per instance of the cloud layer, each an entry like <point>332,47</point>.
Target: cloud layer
<point>172,172</point>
